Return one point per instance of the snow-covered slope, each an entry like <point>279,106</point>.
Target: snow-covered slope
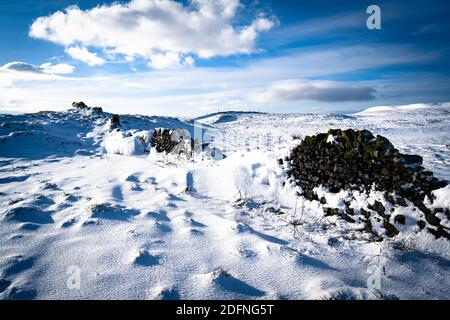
<point>148,226</point>
<point>59,134</point>
<point>223,117</point>
<point>416,107</point>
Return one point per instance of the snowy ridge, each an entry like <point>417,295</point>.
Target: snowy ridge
<point>223,117</point>
<point>410,107</point>
<point>75,195</point>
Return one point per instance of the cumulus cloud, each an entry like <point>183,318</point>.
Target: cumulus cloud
<point>154,30</point>
<point>323,91</point>
<point>169,60</point>
<point>84,55</point>
<point>60,68</point>
<point>46,68</point>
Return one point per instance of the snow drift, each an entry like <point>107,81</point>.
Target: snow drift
<point>152,227</point>
<point>128,144</point>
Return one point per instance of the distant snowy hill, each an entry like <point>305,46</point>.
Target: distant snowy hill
<point>77,198</point>
<point>419,107</point>
<point>223,117</point>
<point>38,135</point>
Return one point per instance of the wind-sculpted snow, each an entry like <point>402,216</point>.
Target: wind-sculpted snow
<point>65,134</point>
<point>77,202</point>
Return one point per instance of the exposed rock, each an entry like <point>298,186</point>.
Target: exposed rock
<point>97,110</point>
<point>421,224</point>
<point>331,211</point>
<point>115,122</point>
<point>432,219</point>
<point>439,232</point>
<point>399,219</point>
<point>80,105</point>
<point>162,140</point>
<point>357,160</point>
<point>176,141</point>
<point>378,207</point>
<point>391,231</point>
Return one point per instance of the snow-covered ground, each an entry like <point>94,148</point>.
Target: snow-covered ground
<point>78,202</point>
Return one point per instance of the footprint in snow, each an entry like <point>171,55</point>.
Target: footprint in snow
<point>29,226</point>
<point>18,293</point>
<point>132,178</point>
<point>68,223</point>
<point>151,180</point>
<point>162,227</point>
<point>91,222</point>
<point>41,201</point>
<point>50,186</point>
<point>28,214</point>
<point>164,293</point>
<point>196,232</point>
<point>145,258</point>
<point>307,261</point>
<point>188,214</point>
<point>195,223</point>
<point>227,282</point>
<point>116,193</point>
<point>190,227</point>
<point>14,201</point>
<point>13,179</point>
<point>302,260</point>
<point>240,227</point>
<point>4,284</point>
<point>72,198</point>
<point>160,215</point>
<point>172,197</point>
<point>112,212</point>
<point>245,252</point>
<point>16,237</point>
<point>16,264</point>
<point>188,221</point>
<point>135,187</point>
<point>245,228</point>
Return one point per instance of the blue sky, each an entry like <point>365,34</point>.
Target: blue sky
<point>193,57</point>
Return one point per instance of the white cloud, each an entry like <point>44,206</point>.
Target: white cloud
<point>60,68</point>
<point>189,61</point>
<point>169,60</point>
<point>323,91</point>
<point>20,66</point>
<point>193,91</point>
<point>85,56</point>
<point>46,68</point>
<point>145,28</point>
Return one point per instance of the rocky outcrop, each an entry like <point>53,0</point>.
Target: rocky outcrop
<point>82,106</point>
<point>357,160</point>
<point>115,122</point>
<point>178,142</point>
<point>162,140</point>
<point>98,110</point>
